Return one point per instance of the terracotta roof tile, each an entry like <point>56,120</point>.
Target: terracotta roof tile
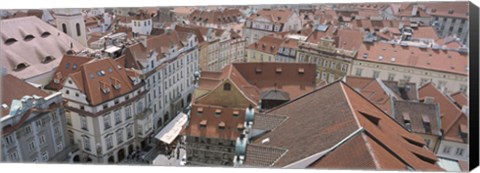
<point>68,65</point>
<point>349,112</point>
<point>15,88</point>
<point>216,17</point>
<point>267,44</point>
<point>273,15</point>
<point>460,99</point>
<point>428,58</point>
<point>418,113</point>
<point>449,9</point>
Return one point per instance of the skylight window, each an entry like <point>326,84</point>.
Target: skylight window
<point>10,41</point>
<point>28,37</point>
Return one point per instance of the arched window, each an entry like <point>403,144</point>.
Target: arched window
<point>227,87</point>
<point>78,29</point>
<point>64,28</point>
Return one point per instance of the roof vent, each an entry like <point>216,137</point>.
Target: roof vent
<point>301,71</point>
<point>278,70</point>
<point>380,58</point>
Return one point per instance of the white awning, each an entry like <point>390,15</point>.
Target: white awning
<point>172,129</point>
<point>112,49</point>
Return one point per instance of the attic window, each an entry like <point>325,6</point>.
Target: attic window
<point>258,70</point>
<point>28,37</point>
<point>45,34</point>
<point>21,66</point>
<point>278,70</point>
<point>74,66</point>
<point>413,142</point>
<point>227,87</point>
<point>47,59</point>
<point>104,87</point>
<point>10,41</point>
<point>236,113</point>
<point>218,112</point>
<point>116,84</point>
<point>301,71</point>
<point>371,118</point>
<point>240,127</point>
<point>221,125</point>
<point>203,124</point>
<point>426,159</point>
<point>199,111</point>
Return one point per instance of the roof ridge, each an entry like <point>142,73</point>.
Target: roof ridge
<point>369,147</point>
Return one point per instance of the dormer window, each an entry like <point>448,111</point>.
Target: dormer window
<point>227,87</point>
<point>199,111</point>
<point>203,124</point>
<point>218,112</point>
<point>28,37</point>
<point>221,125</point>
<point>57,78</point>
<point>116,83</point>
<point>47,59</point>
<point>10,41</point>
<point>45,34</point>
<point>258,70</point>
<point>21,66</point>
<point>278,70</point>
<point>236,113</point>
<point>240,127</point>
<point>301,71</point>
<point>104,87</point>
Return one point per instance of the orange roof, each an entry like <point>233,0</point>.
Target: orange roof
<point>223,125</point>
<point>460,99</point>
<point>425,32</point>
<point>319,120</point>
<point>451,115</point>
<point>267,44</point>
<point>449,9</point>
<point>427,58</point>
<point>96,77</point>
<point>273,15</point>
<point>15,88</point>
<point>68,65</point>
<point>218,17</point>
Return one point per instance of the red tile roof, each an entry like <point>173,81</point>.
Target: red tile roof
<point>449,9</point>
<point>460,99</point>
<point>213,122</point>
<point>95,77</point>
<point>451,116</point>
<point>267,44</point>
<point>322,118</point>
<point>428,58</point>
<point>15,88</point>
<point>68,65</point>
<point>217,17</point>
<point>273,15</point>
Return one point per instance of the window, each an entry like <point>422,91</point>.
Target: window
<point>459,151</point>
<point>446,149</point>
<point>333,65</point>
<point>83,123</point>
<point>344,67</point>
<point>42,139</point>
<point>64,28</point>
<point>109,141</point>
<point>106,121</point>
<point>59,147</point>
<point>139,107</point>
<point>13,156</point>
<point>464,88</point>
<point>331,77</point>
<point>376,74</point>
<point>325,63</point>
<point>120,136</point>
<point>78,29</point>
<point>324,76</point>
<point>391,76</point>
<point>56,131</point>
<point>118,117</point>
<point>86,143</point>
<point>28,129</point>
<point>45,156</point>
<point>227,87</point>
<point>129,131</point>
<point>128,112</point>
<point>39,123</point>
<point>31,146</point>
<point>359,72</point>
